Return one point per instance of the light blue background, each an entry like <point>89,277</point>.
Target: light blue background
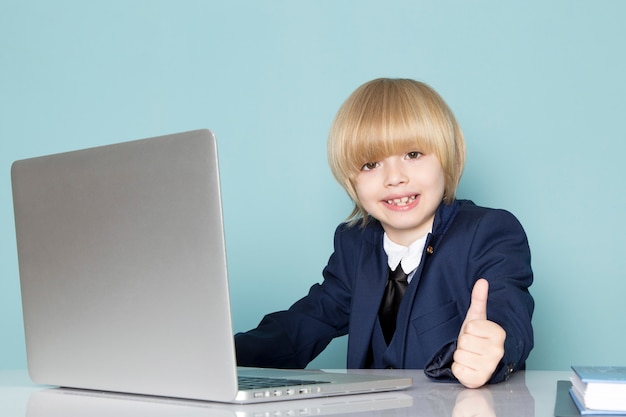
<point>538,87</point>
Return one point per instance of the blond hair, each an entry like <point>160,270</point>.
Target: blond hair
<point>388,116</point>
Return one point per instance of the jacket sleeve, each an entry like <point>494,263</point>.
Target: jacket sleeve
<point>294,337</point>
<point>499,252</point>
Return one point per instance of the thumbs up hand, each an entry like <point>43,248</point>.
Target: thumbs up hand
<point>480,345</point>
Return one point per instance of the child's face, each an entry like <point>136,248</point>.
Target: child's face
<point>402,192</point>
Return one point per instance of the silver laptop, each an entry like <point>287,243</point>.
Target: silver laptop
<point>123,276</point>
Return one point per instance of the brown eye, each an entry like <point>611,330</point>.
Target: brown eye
<point>368,166</point>
<point>413,155</point>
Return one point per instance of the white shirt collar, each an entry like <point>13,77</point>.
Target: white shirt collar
<point>410,256</point>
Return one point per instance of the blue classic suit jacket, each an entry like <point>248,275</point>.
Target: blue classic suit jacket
<point>467,243</point>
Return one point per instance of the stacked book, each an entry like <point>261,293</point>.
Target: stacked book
<point>599,390</point>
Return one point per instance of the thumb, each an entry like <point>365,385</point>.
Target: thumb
<point>478,305</point>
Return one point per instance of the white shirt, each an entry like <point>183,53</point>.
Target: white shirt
<point>408,256</point>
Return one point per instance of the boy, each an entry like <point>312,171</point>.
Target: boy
<point>460,308</point>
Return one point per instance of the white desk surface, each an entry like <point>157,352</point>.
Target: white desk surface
<point>529,393</point>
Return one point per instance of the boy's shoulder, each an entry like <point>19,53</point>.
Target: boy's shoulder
<point>469,212</point>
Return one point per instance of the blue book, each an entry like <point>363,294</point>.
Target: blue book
<point>599,389</point>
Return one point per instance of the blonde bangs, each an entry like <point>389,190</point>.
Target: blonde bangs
<point>377,140</point>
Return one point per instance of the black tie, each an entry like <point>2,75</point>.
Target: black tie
<point>394,290</point>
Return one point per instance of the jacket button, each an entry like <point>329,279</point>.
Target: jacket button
<point>509,370</point>
<point>430,250</point>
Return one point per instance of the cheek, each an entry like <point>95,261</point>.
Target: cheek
<point>361,194</point>
<point>364,194</point>
<point>438,181</point>
<point>441,183</point>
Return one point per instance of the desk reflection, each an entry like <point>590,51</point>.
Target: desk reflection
<point>59,402</point>
<point>500,400</point>
<point>427,399</point>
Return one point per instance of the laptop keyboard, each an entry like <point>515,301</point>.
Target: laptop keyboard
<point>251,383</point>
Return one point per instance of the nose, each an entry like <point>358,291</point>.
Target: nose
<point>394,173</point>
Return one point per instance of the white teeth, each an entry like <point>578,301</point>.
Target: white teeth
<point>402,201</point>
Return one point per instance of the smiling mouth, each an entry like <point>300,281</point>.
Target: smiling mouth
<point>401,202</point>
